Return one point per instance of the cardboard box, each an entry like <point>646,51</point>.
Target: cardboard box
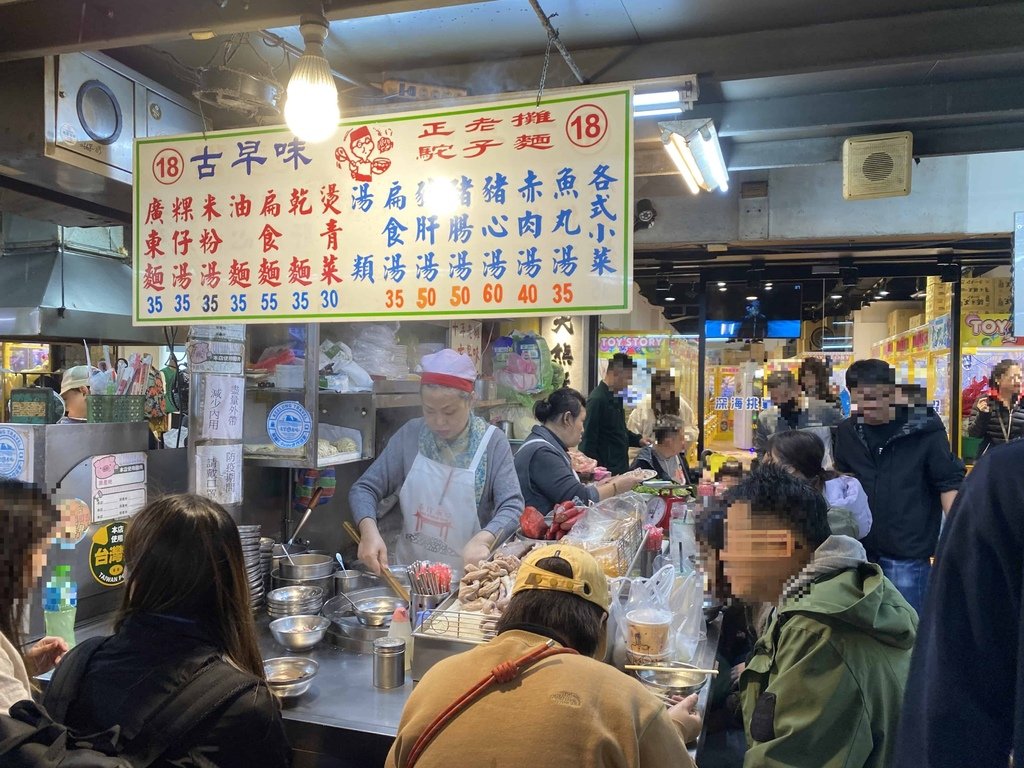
<point>899,320</point>
<point>917,320</point>
<point>938,296</point>
<point>1002,294</point>
<point>976,294</point>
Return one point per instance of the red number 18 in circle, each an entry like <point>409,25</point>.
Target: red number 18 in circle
<point>587,125</point>
<point>168,166</point>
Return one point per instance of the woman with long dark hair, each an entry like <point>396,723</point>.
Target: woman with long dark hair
<point>802,453</point>
<point>997,417</point>
<point>185,607</point>
<point>27,521</point>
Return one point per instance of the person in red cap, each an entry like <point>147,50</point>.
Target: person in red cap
<point>457,487</point>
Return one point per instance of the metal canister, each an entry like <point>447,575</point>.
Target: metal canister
<point>388,662</point>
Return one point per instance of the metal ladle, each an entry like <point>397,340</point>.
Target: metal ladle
<point>309,511</point>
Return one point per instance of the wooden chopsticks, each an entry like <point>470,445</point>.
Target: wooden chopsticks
<point>387,575</point>
<point>643,668</point>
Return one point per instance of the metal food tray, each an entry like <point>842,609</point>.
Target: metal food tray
<point>445,632</point>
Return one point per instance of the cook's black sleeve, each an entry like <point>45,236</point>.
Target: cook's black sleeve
<point>962,705</point>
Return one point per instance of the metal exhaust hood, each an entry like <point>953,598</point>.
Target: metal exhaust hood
<point>58,295</point>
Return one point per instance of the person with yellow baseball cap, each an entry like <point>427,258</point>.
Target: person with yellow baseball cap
<point>537,695</point>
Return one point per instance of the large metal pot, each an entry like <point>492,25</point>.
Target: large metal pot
<point>307,566</point>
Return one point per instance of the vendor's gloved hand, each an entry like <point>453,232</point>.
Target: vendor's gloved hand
<point>478,548</point>
<point>684,713</point>
<point>45,655</point>
<point>373,552</point>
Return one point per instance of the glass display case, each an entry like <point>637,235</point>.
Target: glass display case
<point>306,408</point>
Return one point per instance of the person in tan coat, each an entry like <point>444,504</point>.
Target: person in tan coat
<point>553,703</point>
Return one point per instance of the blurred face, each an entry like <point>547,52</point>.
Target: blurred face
<point>621,379</point>
<point>445,411</point>
<point>809,383</point>
<point>37,563</point>
<point>874,403</point>
<point>672,444</point>
<point>663,392</point>
<point>783,393</point>
<point>1011,380</point>
<point>760,555</point>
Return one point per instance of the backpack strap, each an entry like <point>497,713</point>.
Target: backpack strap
<point>206,694</point>
<point>67,677</point>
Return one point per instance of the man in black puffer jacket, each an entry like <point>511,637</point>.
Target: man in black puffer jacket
<point>900,454</point>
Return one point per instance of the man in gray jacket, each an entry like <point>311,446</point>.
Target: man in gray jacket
<point>791,409</point>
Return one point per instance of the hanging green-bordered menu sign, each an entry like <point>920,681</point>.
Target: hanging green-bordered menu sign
<point>506,208</point>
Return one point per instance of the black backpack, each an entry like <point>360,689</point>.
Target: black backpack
<point>34,737</point>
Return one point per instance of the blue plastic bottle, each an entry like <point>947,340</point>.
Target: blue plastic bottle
<point>60,604</point>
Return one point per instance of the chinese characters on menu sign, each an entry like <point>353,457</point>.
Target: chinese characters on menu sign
<point>505,209</point>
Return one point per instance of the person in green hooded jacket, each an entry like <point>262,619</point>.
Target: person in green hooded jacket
<point>825,682</point>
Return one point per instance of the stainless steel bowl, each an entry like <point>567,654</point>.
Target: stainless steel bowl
<point>299,633</point>
<point>675,679</point>
<point>294,594</point>
<point>307,566</point>
<point>376,611</point>
<point>350,580</point>
<point>290,675</point>
<point>326,583</point>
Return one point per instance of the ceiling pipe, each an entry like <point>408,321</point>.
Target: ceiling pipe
<point>557,42</point>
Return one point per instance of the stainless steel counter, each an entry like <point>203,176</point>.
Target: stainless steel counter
<point>343,721</point>
<point>342,694</point>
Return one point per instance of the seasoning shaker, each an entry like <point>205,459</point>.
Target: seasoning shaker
<point>388,662</point>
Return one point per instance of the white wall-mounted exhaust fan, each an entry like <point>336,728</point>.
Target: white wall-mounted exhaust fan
<point>877,166</point>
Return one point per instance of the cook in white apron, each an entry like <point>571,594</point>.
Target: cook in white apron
<point>439,510</point>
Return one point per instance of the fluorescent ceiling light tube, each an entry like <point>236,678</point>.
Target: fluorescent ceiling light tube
<point>657,112</point>
<point>655,99</point>
<point>713,153</point>
<point>681,166</point>
<point>698,146</point>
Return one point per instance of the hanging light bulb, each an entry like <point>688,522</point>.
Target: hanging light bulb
<point>311,109</point>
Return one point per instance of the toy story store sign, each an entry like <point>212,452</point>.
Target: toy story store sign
<point>506,208</point>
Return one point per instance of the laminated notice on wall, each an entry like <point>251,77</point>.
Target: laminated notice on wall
<point>219,473</point>
<point>222,408</point>
<point>118,485</point>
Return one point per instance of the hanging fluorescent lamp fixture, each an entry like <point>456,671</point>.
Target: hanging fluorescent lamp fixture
<point>694,148</point>
<point>311,108</point>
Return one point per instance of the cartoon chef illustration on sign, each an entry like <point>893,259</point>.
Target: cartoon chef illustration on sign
<point>359,156</point>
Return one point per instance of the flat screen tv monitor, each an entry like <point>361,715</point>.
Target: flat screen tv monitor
<point>752,329</point>
<point>774,315</point>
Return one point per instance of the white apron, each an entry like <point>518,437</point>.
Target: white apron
<point>439,510</point>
